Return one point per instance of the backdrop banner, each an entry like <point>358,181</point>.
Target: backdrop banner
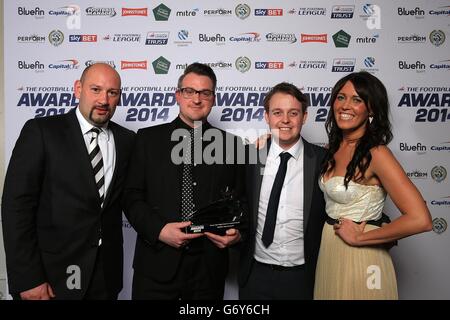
<point>252,46</point>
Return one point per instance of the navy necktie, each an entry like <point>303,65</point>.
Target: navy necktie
<point>274,200</point>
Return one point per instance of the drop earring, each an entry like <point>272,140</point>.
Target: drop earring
<point>370,119</point>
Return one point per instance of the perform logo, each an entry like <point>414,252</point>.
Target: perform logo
<point>83,38</point>
<point>124,65</point>
<point>417,174</point>
<point>269,65</point>
<point>323,38</point>
<point>268,12</point>
<point>218,12</point>
<point>222,65</point>
<point>414,38</point>
<point>34,38</point>
<point>134,12</point>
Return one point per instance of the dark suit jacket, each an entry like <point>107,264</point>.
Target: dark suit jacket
<point>313,210</point>
<point>152,199</point>
<point>52,218</point>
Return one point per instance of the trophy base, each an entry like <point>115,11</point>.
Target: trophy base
<point>217,228</point>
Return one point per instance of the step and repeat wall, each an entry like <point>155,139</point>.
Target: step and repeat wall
<point>252,46</point>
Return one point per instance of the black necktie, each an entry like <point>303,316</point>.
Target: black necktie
<point>95,155</point>
<point>274,200</point>
<point>187,189</point>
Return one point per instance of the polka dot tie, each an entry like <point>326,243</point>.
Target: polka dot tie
<point>187,189</point>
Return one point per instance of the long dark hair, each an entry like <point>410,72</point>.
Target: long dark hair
<point>378,132</point>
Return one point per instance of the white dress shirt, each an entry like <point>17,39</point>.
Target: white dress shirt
<point>287,246</point>
<point>106,144</point>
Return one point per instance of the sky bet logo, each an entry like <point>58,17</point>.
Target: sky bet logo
<point>269,65</point>
<point>83,38</point>
<point>268,12</point>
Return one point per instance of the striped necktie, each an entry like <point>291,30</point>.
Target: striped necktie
<point>95,156</point>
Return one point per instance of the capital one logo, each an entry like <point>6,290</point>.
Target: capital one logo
<point>374,278</point>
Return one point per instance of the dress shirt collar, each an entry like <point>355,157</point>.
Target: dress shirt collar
<point>181,124</point>
<point>294,151</point>
<point>86,126</point>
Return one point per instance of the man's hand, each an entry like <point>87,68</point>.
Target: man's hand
<point>173,235</point>
<point>41,292</point>
<point>231,237</point>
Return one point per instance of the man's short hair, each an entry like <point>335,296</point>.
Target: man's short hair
<point>200,69</point>
<point>286,88</point>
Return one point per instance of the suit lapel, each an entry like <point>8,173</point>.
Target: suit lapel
<point>309,169</point>
<point>119,146</point>
<point>257,175</point>
<point>172,172</point>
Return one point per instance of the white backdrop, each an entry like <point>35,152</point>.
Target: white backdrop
<point>252,46</point>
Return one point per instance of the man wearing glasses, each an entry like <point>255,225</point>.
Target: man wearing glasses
<point>166,184</point>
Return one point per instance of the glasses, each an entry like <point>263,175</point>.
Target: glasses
<point>188,93</point>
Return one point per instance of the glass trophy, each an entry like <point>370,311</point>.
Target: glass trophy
<point>218,216</point>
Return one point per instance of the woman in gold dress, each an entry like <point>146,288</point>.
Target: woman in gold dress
<point>358,173</point>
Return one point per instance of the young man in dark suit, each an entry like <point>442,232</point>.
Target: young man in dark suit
<point>62,218</point>
<point>164,188</point>
<point>286,206</point>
